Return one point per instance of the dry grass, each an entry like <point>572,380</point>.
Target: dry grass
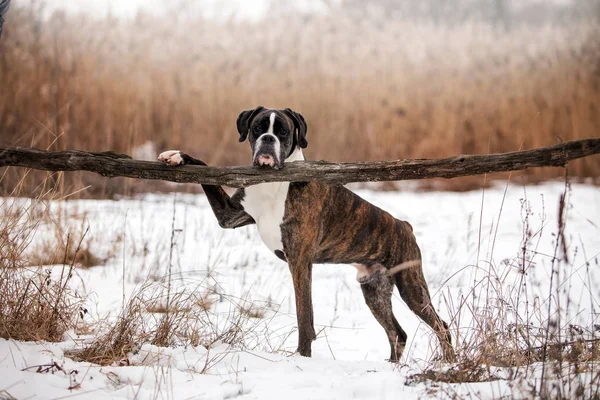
<point>63,248</point>
<point>253,310</point>
<point>505,331</point>
<point>369,89</point>
<point>38,303</point>
<point>121,337</point>
<point>184,320</point>
<point>35,303</point>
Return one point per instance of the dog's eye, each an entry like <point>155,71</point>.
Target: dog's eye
<point>257,129</point>
<point>283,132</point>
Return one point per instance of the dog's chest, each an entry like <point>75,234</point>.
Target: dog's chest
<point>266,204</point>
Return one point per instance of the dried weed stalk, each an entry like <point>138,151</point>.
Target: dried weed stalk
<point>445,91</point>
<point>35,303</point>
<point>503,332</point>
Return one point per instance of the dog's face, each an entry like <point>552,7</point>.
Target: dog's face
<point>273,134</point>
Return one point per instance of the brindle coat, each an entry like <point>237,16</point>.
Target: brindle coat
<point>347,229</point>
<point>324,223</point>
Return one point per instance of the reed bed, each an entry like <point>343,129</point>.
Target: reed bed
<point>371,88</point>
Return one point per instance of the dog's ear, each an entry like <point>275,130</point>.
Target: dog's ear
<point>245,119</point>
<point>299,124</point>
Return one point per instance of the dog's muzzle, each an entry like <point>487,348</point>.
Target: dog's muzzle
<point>266,152</point>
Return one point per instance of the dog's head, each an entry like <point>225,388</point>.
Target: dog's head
<point>274,135</point>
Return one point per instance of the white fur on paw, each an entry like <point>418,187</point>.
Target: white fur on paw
<point>172,157</point>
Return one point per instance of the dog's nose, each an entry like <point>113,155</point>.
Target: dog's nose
<point>267,139</point>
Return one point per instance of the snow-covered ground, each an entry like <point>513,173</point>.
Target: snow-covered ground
<point>463,237</point>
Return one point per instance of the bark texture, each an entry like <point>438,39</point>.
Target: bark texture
<point>112,164</point>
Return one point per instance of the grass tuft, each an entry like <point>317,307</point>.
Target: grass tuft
<point>35,303</point>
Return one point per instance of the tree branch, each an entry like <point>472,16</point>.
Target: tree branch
<point>111,164</point>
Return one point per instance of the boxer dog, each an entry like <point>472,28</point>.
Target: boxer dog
<point>312,222</point>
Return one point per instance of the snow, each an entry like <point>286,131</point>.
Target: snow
<point>235,270</point>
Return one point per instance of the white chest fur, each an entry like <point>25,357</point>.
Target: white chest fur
<point>266,204</point>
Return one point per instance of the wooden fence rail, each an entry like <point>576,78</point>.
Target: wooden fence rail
<point>111,164</point>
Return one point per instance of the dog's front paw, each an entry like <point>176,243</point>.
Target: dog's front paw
<point>171,157</point>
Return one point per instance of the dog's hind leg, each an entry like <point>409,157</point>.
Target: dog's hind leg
<point>413,290</point>
<point>377,288</point>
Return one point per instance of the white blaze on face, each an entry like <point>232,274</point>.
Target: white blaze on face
<point>271,123</point>
<point>276,145</point>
